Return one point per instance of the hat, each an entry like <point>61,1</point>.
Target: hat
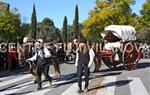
<point>75,40</point>
<point>83,40</point>
<point>25,39</point>
<point>40,40</point>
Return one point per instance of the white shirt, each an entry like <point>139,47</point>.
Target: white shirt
<point>39,53</point>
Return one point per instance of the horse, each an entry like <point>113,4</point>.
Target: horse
<point>25,53</point>
<point>71,51</point>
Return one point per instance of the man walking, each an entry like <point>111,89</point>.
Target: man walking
<point>84,60</point>
<point>41,56</point>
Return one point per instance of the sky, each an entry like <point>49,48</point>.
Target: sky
<point>57,9</point>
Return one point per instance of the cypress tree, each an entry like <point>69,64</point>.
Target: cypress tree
<point>34,22</point>
<point>8,8</point>
<point>76,27</point>
<point>65,30</point>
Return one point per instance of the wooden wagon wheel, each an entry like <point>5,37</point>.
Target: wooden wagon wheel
<point>130,56</point>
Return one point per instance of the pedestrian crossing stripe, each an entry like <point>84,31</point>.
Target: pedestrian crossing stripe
<point>137,87</point>
<point>15,80</point>
<point>24,86</point>
<point>16,88</point>
<point>72,90</point>
<point>7,83</point>
<point>41,92</point>
<point>108,86</point>
<point>6,78</point>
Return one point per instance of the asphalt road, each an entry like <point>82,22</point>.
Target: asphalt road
<point>106,82</point>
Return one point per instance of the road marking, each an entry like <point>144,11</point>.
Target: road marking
<point>41,92</point>
<point>137,87</point>
<point>16,88</point>
<point>8,77</point>
<point>23,86</point>
<point>15,80</point>
<point>72,90</point>
<point>109,86</point>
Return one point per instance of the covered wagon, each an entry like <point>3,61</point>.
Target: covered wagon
<point>120,47</point>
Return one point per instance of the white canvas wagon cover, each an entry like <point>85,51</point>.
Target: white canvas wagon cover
<point>119,32</point>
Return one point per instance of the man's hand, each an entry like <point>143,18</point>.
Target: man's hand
<point>27,60</point>
<point>89,65</point>
<point>76,64</point>
<point>47,56</point>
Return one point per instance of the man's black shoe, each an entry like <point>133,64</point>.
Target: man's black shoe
<point>35,81</point>
<point>50,82</point>
<point>39,88</point>
<point>86,89</point>
<point>80,90</point>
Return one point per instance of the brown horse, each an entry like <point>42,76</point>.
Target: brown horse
<point>24,54</point>
<point>71,50</point>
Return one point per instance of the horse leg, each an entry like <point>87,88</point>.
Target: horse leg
<point>32,70</point>
<point>56,66</point>
<point>97,62</point>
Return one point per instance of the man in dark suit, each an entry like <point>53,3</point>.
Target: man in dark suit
<point>41,56</point>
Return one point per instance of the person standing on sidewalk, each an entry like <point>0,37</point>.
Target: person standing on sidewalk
<point>41,56</point>
<point>84,60</point>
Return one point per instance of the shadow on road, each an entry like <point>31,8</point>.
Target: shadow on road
<point>143,65</point>
<point>19,71</point>
<point>74,79</point>
<point>108,74</point>
<point>110,84</point>
<point>121,68</point>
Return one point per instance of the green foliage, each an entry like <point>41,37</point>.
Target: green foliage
<point>70,32</point>
<point>47,31</point>
<point>25,29</point>
<point>146,13</point>
<point>64,32</point>
<point>9,23</point>
<point>48,22</point>
<point>143,35</point>
<point>3,7</point>
<point>76,23</point>
<point>34,23</point>
<point>107,12</point>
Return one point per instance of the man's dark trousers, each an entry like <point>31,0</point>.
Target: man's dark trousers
<point>42,68</point>
<point>81,68</point>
